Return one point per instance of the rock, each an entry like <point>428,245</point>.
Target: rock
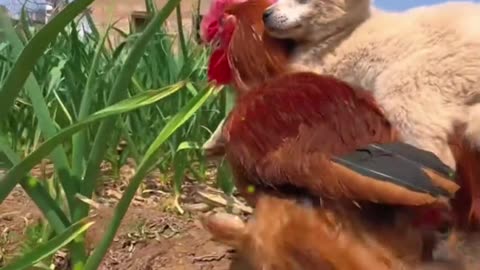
<point>196,207</point>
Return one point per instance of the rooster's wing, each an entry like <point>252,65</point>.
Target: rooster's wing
<point>317,134</point>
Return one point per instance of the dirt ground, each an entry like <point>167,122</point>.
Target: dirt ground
<point>152,235</point>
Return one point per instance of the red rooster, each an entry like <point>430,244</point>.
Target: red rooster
<point>243,56</point>
<point>329,143</point>
<point>265,58</point>
<point>302,135</point>
<point>291,139</point>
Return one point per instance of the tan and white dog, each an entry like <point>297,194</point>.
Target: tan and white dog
<point>423,65</point>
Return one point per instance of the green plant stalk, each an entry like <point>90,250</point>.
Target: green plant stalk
<point>143,99</point>
<point>50,247</point>
<point>150,6</point>
<point>134,151</point>
<point>148,161</point>
<point>80,139</point>
<point>181,35</point>
<point>59,157</point>
<point>45,122</point>
<point>54,215</point>
<point>34,49</point>
<point>118,91</point>
<point>79,142</point>
<point>11,178</point>
<point>25,22</point>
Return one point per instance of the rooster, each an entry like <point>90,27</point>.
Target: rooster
<point>369,197</point>
<point>303,145</point>
<point>243,54</point>
<point>241,33</point>
<point>323,139</point>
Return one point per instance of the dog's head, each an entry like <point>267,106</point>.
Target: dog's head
<point>305,19</point>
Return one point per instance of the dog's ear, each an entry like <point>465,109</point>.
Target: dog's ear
<point>225,228</point>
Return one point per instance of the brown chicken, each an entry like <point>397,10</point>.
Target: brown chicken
<point>243,55</point>
<point>303,135</point>
<point>330,193</point>
<point>328,144</point>
<point>250,57</point>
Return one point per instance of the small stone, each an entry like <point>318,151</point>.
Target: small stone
<point>196,207</point>
<point>236,210</point>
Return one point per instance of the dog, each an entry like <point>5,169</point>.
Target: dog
<point>423,64</point>
<point>285,233</point>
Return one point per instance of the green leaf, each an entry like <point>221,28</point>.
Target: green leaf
<point>225,178</point>
<point>45,122</point>
<point>119,90</point>
<point>149,159</point>
<point>50,209</point>
<point>176,122</point>
<point>80,149</point>
<point>34,49</point>
<point>50,247</point>
<point>8,182</point>
<point>39,195</point>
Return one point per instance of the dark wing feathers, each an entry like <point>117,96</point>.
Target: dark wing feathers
<point>421,157</point>
<point>379,162</point>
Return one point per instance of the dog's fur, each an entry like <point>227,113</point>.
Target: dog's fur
<point>423,65</point>
<point>285,234</point>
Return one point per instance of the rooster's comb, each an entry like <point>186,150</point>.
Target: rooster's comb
<point>211,20</point>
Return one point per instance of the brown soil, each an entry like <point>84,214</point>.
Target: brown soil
<point>150,236</point>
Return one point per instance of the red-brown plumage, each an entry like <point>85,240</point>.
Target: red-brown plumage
<point>322,103</point>
<point>254,56</point>
<point>284,133</point>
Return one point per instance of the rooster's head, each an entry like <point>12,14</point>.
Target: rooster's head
<point>218,27</point>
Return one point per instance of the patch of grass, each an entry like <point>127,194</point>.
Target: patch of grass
<point>74,99</point>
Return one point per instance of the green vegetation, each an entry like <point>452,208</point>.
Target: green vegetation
<point>70,99</point>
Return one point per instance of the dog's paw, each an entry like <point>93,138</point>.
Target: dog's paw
<point>224,228</point>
